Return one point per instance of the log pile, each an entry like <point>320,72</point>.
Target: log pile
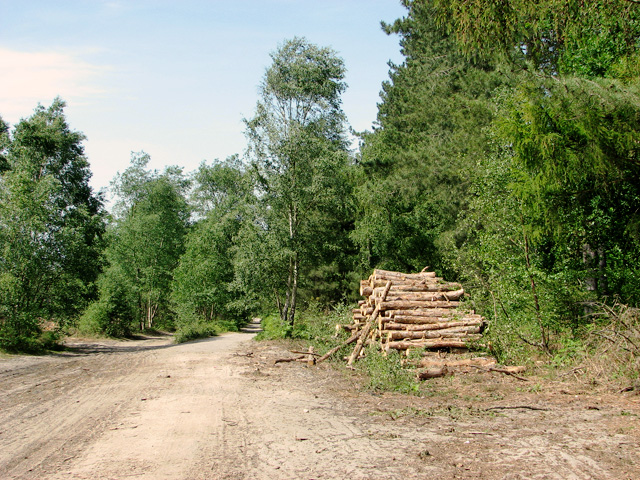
<point>419,312</point>
<point>414,311</point>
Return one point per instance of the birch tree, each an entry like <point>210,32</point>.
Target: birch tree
<point>298,151</point>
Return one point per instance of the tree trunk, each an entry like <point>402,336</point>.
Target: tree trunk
<point>424,320</point>
<point>431,312</point>
<point>278,302</point>
<point>294,291</point>
<point>424,296</point>
<point>433,372</point>
<point>603,286</point>
<point>543,331</point>
<point>432,326</point>
<point>456,332</point>
<point>477,361</point>
<point>419,287</point>
<point>285,311</point>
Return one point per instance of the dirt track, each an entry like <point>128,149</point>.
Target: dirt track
<point>220,409</point>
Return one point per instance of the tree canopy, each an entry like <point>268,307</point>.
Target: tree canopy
<point>504,155</point>
<point>52,226</point>
<point>299,158</point>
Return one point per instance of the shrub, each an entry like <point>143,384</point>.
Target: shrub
<point>193,331</point>
<point>387,372</point>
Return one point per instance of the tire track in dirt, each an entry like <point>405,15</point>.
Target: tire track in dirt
<point>58,407</point>
<point>220,409</point>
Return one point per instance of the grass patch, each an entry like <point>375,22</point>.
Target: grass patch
<point>388,372</point>
<point>313,327</point>
<point>317,328</point>
<point>194,331</point>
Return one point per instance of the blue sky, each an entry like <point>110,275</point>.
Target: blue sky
<point>176,78</point>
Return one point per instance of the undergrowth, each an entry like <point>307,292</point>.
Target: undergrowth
<point>388,372</point>
<point>317,328</point>
<point>196,330</point>
<point>605,350</point>
<point>611,345</point>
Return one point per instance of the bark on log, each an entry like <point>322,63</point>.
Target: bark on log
<point>395,275</point>
<point>347,328</point>
<point>437,317</point>
<point>287,360</point>
<point>445,343</point>
<point>407,321</point>
<point>444,287</point>
<point>366,310</point>
<point>467,362</point>
<point>460,332</point>
<point>434,372</point>
<point>432,326</point>
<point>365,331</point>
<point>365,288</point>
<point>506,370</point>
<point>408,304</point>
<point>377,282</point>
<point>432,312</point>
<point>423,296</point>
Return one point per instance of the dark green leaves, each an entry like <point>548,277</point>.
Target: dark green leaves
<point>51,225</point>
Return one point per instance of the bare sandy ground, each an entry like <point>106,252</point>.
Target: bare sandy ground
<point>220,409</point>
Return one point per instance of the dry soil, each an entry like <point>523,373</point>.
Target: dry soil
<point>221,409</point>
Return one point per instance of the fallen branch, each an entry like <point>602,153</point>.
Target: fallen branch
<point>306,353</point>
<point>630,388</point>
<point>506,371</point>
<point>367,328</point>
<point>517,407</point>
<point>286,360</point>
<point>434,372</point>
<point>351,339</point>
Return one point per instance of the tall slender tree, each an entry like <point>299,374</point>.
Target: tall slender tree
<point>299,153</point>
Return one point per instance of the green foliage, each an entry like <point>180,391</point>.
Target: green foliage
<point>114,313</point>
<point>221,187</point>
<point>583,38</point>
<point>273,328</point>
<point>202,282</point>
<point>416,167</point>
<point>51,227</point>
<point>146,240</point>
<point>506,157</point>
<point>314,325</point>
<point>387,373</point>
<point>301,213</point>
<point>205,294</point>
<point>196,330</point>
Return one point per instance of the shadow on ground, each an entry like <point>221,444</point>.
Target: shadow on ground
<point>254,326</point>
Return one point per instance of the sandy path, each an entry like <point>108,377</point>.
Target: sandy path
<point>146,410</point>
<point>157,411</point>
<point>220,409</point>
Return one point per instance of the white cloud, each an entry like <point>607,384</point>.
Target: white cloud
<point>29,78</point>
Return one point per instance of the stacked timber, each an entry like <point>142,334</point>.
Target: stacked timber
<point>417,310</point>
